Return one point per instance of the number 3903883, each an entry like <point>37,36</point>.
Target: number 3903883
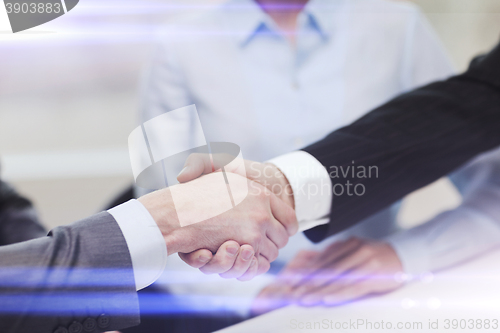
<point>33,8</point>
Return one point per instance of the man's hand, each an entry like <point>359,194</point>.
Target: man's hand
<point>230,261</point>
<point>262,220</point>
<point>345,271</point>
<point>265,174</point>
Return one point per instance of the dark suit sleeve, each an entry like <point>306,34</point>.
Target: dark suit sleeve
<point>412,141</point>
<point>79,275</point>
<point>18,219</point>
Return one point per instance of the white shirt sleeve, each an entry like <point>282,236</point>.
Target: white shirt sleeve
<point>311,185</point>
<point>460,234</point>
<point>144,240</point>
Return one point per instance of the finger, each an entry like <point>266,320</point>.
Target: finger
<point>284,214</point>
<point>325,259</point>
<point>335,252</point>
<point>377,272</point>
<point>364,287</point>
<point>356,291</point>
<point>242,263</point>
<point>251,272</point>
<point>302,258</point>
<point>348,280</point>
<point>295,269</point>
<point>223,260</point>
<point>195,166</point>
<point>275,288</point>
<point>263,265</point>
<point>277,234</point>
<point>324,275</point>
<point>269,250</point>
<point>339,249</point>
<point>266,302</point>
<point>196,259</point>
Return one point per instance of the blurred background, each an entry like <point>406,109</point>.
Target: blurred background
<point>68,98</point>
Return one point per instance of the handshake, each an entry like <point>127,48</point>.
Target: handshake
<point>239,243</point>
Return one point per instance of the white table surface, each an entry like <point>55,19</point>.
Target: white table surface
<point>469,291</point>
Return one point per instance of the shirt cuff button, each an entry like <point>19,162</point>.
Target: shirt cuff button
<point>89,325</point>
<point>75,327</point>
<point>103,321</point>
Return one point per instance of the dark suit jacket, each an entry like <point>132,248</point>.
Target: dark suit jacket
<point>18,220</point>
<point>413,140</point>
<point>79,278</point>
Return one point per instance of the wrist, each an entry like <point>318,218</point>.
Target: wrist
<point>161,207</point>
<point>281,186</point>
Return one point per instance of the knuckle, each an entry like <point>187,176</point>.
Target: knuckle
<point>274,254</point>
<point>283,242</point>
<point>264,266</point>
<point>271,254</point>
<point>255,238</point>
<point>284,238</point>
<point>262,217</point>
<point>291,217</point>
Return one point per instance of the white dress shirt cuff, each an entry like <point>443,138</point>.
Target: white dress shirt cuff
<point>144,240</point>
<point>311,185</point>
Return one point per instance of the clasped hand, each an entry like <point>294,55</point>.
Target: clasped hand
<point>239,243</point>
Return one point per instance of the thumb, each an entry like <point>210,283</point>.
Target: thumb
<point>196,259</point>
<point>196,165</point>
